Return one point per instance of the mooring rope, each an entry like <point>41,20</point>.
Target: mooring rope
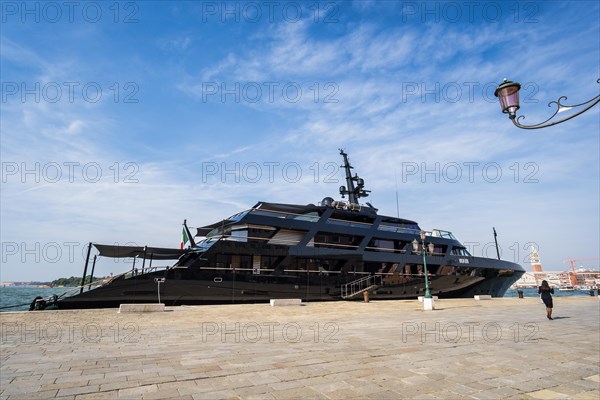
<point>16,305</point>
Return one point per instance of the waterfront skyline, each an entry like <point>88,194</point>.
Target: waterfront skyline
<point>118,125</point>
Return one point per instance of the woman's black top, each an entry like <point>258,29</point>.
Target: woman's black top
<point>546,296</point>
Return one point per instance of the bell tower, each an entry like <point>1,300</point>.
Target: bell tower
<point>534,258</point>
<point>536,266</point>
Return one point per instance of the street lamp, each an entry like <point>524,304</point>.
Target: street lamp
<point>508,95</point>
<point>428,300</point>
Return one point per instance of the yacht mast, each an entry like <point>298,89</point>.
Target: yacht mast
<point>354,192</point>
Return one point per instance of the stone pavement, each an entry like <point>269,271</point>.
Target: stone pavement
<point>491,349</point>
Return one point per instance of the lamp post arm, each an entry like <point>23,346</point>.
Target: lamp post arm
<point>545,123</point>
<point>559,106</point>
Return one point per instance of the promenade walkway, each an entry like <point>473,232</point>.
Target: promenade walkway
<point>490,349</point>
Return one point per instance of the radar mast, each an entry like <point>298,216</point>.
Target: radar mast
<point>354,192</point>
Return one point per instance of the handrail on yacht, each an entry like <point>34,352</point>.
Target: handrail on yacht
<point>363,284</point>
<point>97,283</point>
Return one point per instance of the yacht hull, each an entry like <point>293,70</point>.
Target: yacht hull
<point>230,288</point>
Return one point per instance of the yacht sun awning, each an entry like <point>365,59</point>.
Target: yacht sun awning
<point>156,253</point>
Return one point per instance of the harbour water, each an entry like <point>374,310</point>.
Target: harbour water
<point>22,296</point>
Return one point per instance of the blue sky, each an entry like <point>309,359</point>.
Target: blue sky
<point>120,120</point>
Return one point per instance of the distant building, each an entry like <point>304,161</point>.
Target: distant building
<point>536,266</point>
<point>527,280</point>
<point>534,258</point>
<point>587,278</point>
<point>582,278</point>
<point>534,279</point>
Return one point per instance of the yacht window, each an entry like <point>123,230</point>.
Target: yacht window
<point>214,232</point>
<point>353,224</point>
<point>310,217</point>
<point>267,213</point>
<point>287,237</point>
<point>238,216</point>
<point>460,251</point>
<point>239,236</point>
<point>323,239</point>
<point>399,227</point>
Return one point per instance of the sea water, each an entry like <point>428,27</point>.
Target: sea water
<point>22,296</point>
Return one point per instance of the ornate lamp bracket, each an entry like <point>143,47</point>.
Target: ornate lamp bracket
<point>507,93</point>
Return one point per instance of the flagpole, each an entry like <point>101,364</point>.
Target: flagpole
<point>189,235</point>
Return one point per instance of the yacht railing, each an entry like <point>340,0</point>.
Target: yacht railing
<point>138,271</point>
<point>361,285</point>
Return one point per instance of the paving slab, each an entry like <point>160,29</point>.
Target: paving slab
<point>501,348</point>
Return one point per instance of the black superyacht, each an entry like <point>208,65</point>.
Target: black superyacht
<point>336,250</point>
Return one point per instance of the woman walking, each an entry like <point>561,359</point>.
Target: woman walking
<point>546,291</point>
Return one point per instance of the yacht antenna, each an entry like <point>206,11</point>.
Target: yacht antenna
<point>397,204</point>
<point>496,240</point>
<point>354,193</point>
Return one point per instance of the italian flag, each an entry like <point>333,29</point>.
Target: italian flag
<point>184,238</point>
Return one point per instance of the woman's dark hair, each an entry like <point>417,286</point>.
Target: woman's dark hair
<point>545,285</point>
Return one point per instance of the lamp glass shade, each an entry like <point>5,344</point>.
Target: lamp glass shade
<point>508,95</point>
<point>415,245</point>
<point>431,248</point>
<point>422,234</point>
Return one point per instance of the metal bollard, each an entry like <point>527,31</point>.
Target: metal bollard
<point>366,296</point>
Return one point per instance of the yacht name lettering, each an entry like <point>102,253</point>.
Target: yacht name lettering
<point>69,171</point>
<point>452,332</point>
<point>253,172</point>
<point>253,332</point>
<point>469,171</point>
